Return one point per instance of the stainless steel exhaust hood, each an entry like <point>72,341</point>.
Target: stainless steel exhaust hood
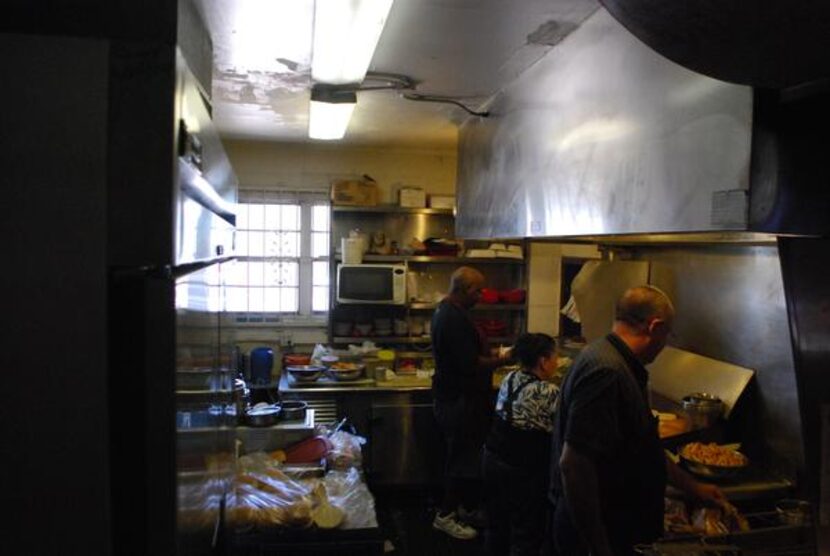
<point>604,136</point>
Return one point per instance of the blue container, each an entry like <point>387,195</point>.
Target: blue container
<point>262,360</point>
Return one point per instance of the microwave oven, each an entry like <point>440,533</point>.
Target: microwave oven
<point>371,283</point>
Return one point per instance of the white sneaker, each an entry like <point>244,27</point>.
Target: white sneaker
<point>450,525</point>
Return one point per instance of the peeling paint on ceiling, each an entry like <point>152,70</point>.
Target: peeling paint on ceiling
<point>461,48</point>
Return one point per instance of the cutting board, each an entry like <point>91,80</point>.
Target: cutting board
<point>674,427</point>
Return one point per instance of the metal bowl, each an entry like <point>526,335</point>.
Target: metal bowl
<point>305,373</point>
<point>708,471</point>
<point>346,373</point>
<point>262,415</point>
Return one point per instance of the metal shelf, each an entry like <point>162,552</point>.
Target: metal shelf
<point>479,307</point>
<point>431,306</point>
<point>382,339</point>
<point>383,209</point>
<point>435,259</point>
<point>407,340</point>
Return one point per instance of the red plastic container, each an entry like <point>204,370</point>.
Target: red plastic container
<point>513,297</point>
<point>489,296</point>
<point>296,359</point>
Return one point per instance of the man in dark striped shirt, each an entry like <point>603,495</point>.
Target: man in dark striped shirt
<point>609,471</point>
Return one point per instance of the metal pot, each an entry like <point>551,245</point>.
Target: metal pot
<point>293,409</point>
<point>263,415</point>
<point>703,409</point>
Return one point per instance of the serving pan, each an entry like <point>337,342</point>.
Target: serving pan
<point>710,471</point>
<point>345,372</point>
<point>305,373</point>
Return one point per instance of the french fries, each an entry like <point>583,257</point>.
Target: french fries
<point>713,454</point>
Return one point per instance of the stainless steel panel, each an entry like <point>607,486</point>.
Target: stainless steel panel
<point>730,306</point>
<point>403,442</point>
<point>677,373</point>
<point>207,193</point>
<point>399,227</point>
<point>604,136</point>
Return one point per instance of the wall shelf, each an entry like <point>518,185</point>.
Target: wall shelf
<point>423,306</point>
<point>435,259</point>
<point>428,275</point>
<point>423,340</point>
<point>392,209</point>
<point>480,307</point>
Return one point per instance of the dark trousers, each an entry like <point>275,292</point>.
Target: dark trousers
<point>568,542</point>
<point>517,507</point>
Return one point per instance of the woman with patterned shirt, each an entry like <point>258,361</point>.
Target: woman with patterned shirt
<point>517,451</point>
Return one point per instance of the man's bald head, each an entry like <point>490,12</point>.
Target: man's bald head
<point>643,320</point>
<point>464,278</point>
<point>465,286</point>
<point>641,304</point>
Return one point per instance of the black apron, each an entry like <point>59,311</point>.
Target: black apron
<point>526,448</point>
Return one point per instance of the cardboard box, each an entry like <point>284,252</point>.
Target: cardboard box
<point>412,197</point>
<point>442,201</point>
<point>354,192</point>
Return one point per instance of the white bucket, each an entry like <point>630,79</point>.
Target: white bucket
<point>352,249</point>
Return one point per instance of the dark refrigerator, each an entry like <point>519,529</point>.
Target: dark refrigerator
<point>118,210</point>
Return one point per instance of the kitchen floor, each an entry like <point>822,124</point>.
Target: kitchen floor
<point>405,517</point>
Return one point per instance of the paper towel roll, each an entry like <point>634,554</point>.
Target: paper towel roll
<point>352,249</point>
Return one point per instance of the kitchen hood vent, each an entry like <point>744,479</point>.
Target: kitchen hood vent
<point>604,136</point>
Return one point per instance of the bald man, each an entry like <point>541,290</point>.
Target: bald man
<point>462,397</point>
<point>608,468</point>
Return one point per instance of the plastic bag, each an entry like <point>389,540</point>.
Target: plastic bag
<point>319,351</point>
<point>366,348</point>
<point>347,491</point>
<point>346,450</point>
<point>263,496</point>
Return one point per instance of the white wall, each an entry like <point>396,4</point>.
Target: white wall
<point>314,166</point>
<point>545,282</point>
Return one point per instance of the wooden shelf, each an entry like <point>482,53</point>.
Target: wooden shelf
<point>394,209</point>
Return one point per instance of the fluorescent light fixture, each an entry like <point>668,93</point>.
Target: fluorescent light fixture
<point>346,33</point>
<point>329,112</point>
